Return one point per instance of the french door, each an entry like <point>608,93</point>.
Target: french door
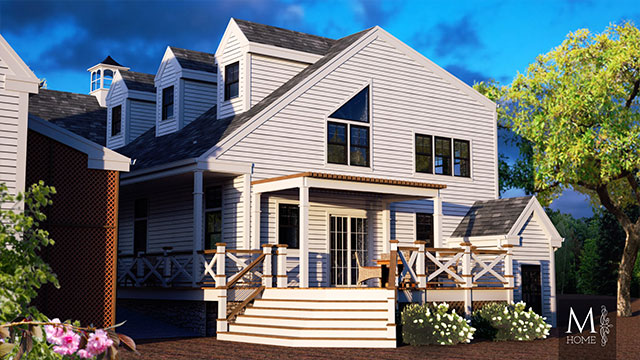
<point>347,236</point>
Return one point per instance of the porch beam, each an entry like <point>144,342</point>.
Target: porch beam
<point>437,220</point>
<point>197,223</point>
<point>304,236</point>
<point>416,192</point>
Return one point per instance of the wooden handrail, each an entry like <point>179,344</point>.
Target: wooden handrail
<point>245,270</point>
<point>243,251</point>
<point>207,251</point>
<point>244,303</point>
<point>410,248</point>
<point>445,250</point>
<point>487,251</point>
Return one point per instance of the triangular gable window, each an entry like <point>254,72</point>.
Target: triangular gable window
<point>356,109</point>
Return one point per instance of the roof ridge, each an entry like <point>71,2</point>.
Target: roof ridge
<point>185,49</point>
<point>67,92</point>
<point>285,29</point>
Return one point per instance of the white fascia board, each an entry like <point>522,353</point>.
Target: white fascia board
<point>159,168</point>
<point>227,167</point>
<point>21,78</point>
<point>158,175</point>
<point>99,157</point>
<point>278,185</point>
<point>115,66</point>
<point>232,28</point>
<point>292,94</point>
<point>534,207</point>
<point>371,187</point>
<point>168,56</point>
<point>198,75</point>
<point>424,61</point>
<point>282,53</point>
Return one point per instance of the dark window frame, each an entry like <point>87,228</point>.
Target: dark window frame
<point>293,225</point>
<point>367,147</point>
<point>215,208</point>
<point>349,126</point>
<point>116,110</point>
<point>167,102</point>
<point>418,154</point>
<point>344,145</point>
<point>231,78</point>
<point>422,234</point>
<point>459,160</point>
<point>140,220</point>
<point>446,158</point>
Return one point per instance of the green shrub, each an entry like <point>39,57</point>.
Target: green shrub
<point>501,322</point>
<point>429,324</point>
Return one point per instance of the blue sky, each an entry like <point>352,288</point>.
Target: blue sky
<point>474,40</point>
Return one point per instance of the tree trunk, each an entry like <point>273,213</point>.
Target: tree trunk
<point>625,271</point>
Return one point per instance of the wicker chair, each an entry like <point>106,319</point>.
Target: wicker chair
<point>367,272</point>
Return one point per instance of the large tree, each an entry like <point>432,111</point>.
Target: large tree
<point>578,107</point>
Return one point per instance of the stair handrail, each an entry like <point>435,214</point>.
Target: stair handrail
<point>244,304</point>
<point>244,271</point>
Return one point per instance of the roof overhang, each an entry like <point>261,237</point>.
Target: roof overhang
<point>20,78</point>
<point>99,157</point>
<point>394,187</point>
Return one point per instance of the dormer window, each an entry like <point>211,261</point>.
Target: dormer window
<point>348,132</point>
<point>95,80</point>
<point>167,102</point>
<point>231,81</point>
<point>116,120</point>
<point>108,78</point>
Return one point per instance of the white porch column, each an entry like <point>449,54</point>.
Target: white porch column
<point>304,236</point>
<point>421,265</point>
<point>197,223</point>
<point>552,283</point>
<point>437,221</point>
<point>386,226</point>
<point>267,266</point>
<point>246,212</point>
<point>221,283</point>
<point>255,217</point>
<point>281,275</point>
<point>468,278</point>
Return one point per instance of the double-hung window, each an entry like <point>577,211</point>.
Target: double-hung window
<point>289,225</point>
<point>461,158</point>
<point>213,217</point>
<point>424,228</point>
<point>349,132</point>
<point>442,156</point>
<point>231,80</point>
<point>167,102</point>
<point>442,160</point>
<point>424,154</point>
<point>116,120</point>
<point>140,217</point>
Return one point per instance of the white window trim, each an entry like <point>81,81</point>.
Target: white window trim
<point>433,176</point>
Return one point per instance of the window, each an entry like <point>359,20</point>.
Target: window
<point>461,163</point>
<point>116,120</point>
<point>231,80</point>
<point>443,156</point>
<point>213,217</point>
<point>108,77</point>
<point>95,80</point>
<point>288,225</point>
<point>424,154</point>
<point>167,102</point>
<point>347,143</point>
<point>140,216</point>
<point>424,228</point>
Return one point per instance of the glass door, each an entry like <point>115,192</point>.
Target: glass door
<point>348,236</point>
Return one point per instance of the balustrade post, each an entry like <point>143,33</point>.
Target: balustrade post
<point>467,276</point>
<point>221,278</point>
<point>508,271</point>
<point>281,277</point>
<point>166,268</point>
<point>267,277</point>
<point>420,265</point>
<point>393,264</point>
<point>139,267</point>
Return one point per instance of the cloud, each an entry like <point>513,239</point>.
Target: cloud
<point>465,74</point>
<point>456,39</point>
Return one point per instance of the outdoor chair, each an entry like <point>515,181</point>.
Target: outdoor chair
<point>367,272</point>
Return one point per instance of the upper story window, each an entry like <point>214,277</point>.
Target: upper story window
<point>140,218</point>
<point>167,102</point>
<point>213,217</point>
<point>461,158</point>
<point>108,78</point>
<point>424,154</point>
<point>349,143</point>
<point>424,228</point>
<point>288,225</point>
<point>95,80</point>
<point>231,80</point>
<point>443,156</point>
<point>116,120</point>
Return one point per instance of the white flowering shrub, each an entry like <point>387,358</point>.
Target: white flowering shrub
<point>434,324</point>
<point>501,322</point>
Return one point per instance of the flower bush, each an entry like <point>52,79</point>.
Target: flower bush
<point>501,322</point>
<point>434,324</point>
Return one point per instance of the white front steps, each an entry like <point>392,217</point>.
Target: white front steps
<point>328,317</point>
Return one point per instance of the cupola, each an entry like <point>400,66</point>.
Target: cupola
<point>101,78</point>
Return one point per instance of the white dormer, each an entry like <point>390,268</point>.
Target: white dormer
<point>101,78</point>
<point>255,59</point>
<point>131,107</point>
<point>186,87</point>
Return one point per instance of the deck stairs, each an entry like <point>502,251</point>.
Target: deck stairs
<point>322,317</point>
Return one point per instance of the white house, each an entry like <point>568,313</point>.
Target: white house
<point>260,172</point>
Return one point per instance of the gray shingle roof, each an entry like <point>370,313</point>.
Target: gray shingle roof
<point>289,39</point>
<point>491,217</point>
<point>206,131</point>
<point>78,113</point>
<point>195,60</point>
<point>138,81</point>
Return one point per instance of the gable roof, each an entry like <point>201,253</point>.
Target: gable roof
<point>289,39</point>
<point>109,61</point>
<point>491,217</point>
<point>195,60</point>
<point>138,81</point>
<point>78,113</point>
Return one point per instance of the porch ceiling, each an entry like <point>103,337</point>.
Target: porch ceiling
<point>349,183</point>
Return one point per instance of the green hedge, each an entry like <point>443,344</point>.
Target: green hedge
<point>501,322</point>
<point>434,324</point>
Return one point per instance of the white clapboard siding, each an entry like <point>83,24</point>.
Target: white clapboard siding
<point>3,73</point>
<point>232,213</point>
<point>230,54</point>
<point>199,96</point>
<point>141,117</point>
<point>117,96</point>
<point>533,250</point>
<point>13,119</point>
<point>169,77</point>
<point>269,73</point>
<point>407,99</point>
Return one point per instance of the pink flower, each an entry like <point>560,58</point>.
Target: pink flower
<point>98,342</point>
<point>54,333</point>
<point>69,343</point>
<point>83,353</point>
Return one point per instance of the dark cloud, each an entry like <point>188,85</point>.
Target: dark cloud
<point>456,38</point>
<point>465,74</point>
